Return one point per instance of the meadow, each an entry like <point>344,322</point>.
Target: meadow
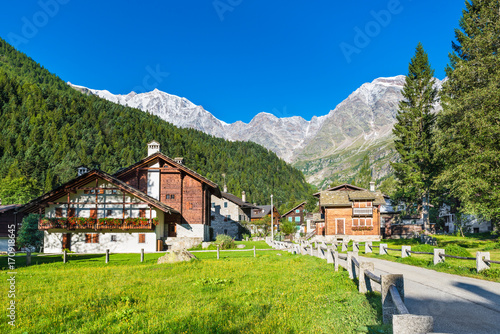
<point>454,245</point>
<point>237,294</point>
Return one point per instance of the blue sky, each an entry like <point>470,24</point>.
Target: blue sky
<point>236,58</point>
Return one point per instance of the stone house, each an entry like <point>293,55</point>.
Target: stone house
<point>10,221</point>
<point>227,213</point>
<point>155,204</point>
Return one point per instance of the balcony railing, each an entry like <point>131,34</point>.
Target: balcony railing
<point>78,223</point>
<point>362,211</point>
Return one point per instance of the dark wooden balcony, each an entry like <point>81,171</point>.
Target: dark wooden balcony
<point>97,224</point>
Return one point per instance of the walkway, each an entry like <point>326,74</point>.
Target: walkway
<point>458,304</point>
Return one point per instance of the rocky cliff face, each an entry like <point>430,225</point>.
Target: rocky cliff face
<point>325,148</point>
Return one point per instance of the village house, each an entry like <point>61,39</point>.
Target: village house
<point>227,213</point>
<point>155,204</point>
<point>470,223</point>
<point>261,211</point>
<point>298,216</point>
<point>10,220</point>
<point>350,212</point>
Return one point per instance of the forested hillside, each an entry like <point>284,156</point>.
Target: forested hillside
<point>48,129</point>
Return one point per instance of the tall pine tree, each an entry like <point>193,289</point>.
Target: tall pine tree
<point>415,169</point>
<point>468,141</point>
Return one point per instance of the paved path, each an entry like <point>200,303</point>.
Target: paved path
<point>458,304</point>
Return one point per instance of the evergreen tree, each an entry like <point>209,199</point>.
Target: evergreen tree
<point>468,140</point>
<point>415,169</point>
<point>364,176</point>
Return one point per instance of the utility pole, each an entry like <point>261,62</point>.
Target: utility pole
<point>272,219</point>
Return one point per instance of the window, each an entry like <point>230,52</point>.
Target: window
<point>114,192</point>
<point>167,196</point>
<point>113,238</point>
<point>212,217</point>
<point>213,205</point>
<point>225,204</point>
<point>297,211</point>
<point>86,191</point>
<point>91,238</point>
<point>109,213</point>
<point>170,196</point>
<point>289,219</point>
<point>142,238</point>
<point>58,212</point>
<point>228,216</point>
<point>297,219</point>
<point>71,212</point>
<point>142,213</point>
<point>225,231</point>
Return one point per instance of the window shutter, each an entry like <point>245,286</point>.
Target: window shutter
<point>87,238</point>
<point>142,238</point>
<point>95,238</point>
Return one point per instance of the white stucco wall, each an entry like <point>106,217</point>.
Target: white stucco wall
<point>125,243</point>
<point>154,182</point>
<point>192,231</point>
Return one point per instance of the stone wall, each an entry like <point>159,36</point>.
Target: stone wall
<point>222,225</point>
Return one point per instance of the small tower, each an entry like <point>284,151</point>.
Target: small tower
<point>243,196</point>
<point>153,147</point>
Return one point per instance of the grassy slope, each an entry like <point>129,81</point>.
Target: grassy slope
<point>267,294</point>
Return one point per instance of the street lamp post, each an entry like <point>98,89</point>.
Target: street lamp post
<point>272,219</point>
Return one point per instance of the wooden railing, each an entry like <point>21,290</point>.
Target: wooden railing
<point>146,224</point>
<point>362,211</point>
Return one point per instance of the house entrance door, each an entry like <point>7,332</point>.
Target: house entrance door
<point>66,241</point>
<point>172,230</point>
<point>340,222</point>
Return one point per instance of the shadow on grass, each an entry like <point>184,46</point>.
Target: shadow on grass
<point>20,261</point>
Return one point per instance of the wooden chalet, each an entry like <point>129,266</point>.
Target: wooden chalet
<point>298,216</point>
<point>261,211</point>
<point>154,203</point>
<point>350,212</point>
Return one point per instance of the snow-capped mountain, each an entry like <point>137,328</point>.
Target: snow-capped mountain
<point>324,148</point>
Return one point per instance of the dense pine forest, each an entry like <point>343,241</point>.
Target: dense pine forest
<point>48,129</point>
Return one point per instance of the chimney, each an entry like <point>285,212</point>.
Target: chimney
<point>82,170</point>
<point>153,147</point>
<point>243,196</point>
<point>179,160</point>
<point>372,186</point>
<point>225,189</point>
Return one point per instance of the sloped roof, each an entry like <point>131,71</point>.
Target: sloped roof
<point>257,213</point>
<point>159,155</point>
<point>345,198</point>
<point>5,208</point>
<point>295,208</point>
<point>236,200</point>
<point>89,177</point>
<point>342,187</point>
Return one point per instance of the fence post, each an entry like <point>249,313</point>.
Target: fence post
<point>218,252</point>
<point>28,258</point>
<point>383,249</point>
<point>368,247</point>
<point>365,285</point>
<point>142,254</point>
<point>349,265</point>
<point>107,255</point>
<point>411,323</point>
<point>480,264</point>
<point>388,307</point>
<point>336,260</point>
<point>311,250</point>
<point>329,255</point>
<point>334,246</point>
<point>254,251</point>
<point>344,246</point>
<point>319,250</point>
<point>65,256</point>
<point>405,251</point>
<point>355,246</point>
<point>437,257</point>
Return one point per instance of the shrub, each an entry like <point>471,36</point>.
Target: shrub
<point>456,250</point>
<point>225,242</point>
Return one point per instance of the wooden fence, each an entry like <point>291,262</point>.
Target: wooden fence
<point>391,286</point>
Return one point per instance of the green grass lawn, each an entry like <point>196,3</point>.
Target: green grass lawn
<point>237,294</point>
<point>467,246</point>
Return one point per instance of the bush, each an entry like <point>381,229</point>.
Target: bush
<point>225,242</point>
<point>456,250</point>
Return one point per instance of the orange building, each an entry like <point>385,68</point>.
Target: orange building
<point>350,211</point>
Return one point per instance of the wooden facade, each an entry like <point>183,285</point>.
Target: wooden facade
<point>10,220</point>
<point>158,197</point>
<point>350,211</point>
<point>296,215</point>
